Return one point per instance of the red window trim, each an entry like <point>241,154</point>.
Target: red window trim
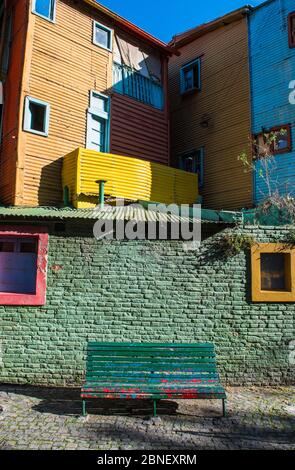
<point>291,39</point>
<point>41,234</point>
<point>275,129</point>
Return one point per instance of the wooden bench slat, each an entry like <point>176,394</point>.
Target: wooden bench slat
<point>149,363</point>
<point>158,376</point>
<point>154,354</point>
<point>153,346</point>
<point>155,379</point>
<point>159,396</point>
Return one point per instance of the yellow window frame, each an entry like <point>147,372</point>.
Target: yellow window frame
<point>259,295</point>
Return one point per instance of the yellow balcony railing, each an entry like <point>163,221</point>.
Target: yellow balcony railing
<point>127,177</point>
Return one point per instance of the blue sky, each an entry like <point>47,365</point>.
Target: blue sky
<point>164,18</point>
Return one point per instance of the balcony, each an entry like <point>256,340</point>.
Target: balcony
<point>131,83</point>
<point>129,178</point>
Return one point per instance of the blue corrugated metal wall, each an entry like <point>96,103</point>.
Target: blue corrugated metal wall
<point>272,68</point>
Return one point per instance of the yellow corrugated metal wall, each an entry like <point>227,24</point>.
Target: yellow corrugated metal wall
<point>128,178</point>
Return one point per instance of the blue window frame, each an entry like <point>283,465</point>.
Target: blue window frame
<point>190,76</point>
<point>102,36</point>
<point>44,8</point>
<point>36,116</point>
<point>98,123</point>
<point>193,162</point>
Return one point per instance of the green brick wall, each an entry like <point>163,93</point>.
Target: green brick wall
<point>146,291</point>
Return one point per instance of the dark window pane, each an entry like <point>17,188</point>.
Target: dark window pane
<point>188,79</point>
<point>37,117</point>
<point>18,273</point>
<point>7,247</point>
<point>196,75</point>
<point>6,46</point>
<point>292,32</point>
<point>28,247</point>
<point>273,272</point>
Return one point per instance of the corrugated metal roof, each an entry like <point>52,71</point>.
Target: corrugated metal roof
<point>137,213</point>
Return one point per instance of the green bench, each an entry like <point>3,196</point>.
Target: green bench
<point>151,371</point>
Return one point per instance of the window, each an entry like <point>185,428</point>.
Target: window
<point>273,273</point>
<point>275,141</point>
<point>44,8</point>
<point>292,29</point>
<point>23,259</point>
<point>97,137</point>
<point>36,116</point>
<point>5,40</point>
<point>102,36</point>
<point>190,76</point>
<point>194,163</point>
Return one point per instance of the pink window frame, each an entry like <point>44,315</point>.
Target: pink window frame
<point>41,234</point>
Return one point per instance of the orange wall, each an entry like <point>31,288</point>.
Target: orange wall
<point>225,99</point>
<point>12,88</point>
<point>62,66</point>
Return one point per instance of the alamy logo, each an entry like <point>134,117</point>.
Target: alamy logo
<point>154,222</point>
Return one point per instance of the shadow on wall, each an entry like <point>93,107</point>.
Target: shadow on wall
<point>50,187</point>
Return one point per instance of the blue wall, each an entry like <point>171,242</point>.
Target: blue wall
<point>272,68</point>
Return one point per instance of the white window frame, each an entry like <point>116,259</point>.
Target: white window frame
<point>92,111</point>
<point>109,30</point>
<point>52,20</point>
<point>27,123</point>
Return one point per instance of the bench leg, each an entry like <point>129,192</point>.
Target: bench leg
<point>84,412</point>
<point>155,408</point>
<point>224,408</point>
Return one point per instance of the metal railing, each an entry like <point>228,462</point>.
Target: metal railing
<point>131,83</point>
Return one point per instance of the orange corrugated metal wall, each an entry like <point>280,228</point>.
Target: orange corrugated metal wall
<point>225,98</point>
<point>64,67</point>
<point>11,103</point>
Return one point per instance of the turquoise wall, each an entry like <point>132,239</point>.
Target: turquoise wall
<point>146,291</point>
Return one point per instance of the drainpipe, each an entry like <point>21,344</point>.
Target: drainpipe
<point>101,184</point>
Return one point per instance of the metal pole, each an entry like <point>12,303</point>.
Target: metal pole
<point>101,184</point>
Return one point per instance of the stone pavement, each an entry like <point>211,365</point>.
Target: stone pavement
<point>44,418</point>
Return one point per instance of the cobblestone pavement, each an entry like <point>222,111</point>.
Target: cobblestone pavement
<point>43,418</point>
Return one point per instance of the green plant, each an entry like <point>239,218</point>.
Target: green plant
<point>273,202</point>
<point>290,239</point>
<point>232,244</point>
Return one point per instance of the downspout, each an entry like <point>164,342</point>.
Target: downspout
<point>250,93</point>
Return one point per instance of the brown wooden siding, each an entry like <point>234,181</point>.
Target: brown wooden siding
<point>8,150</point>
<point>64,67</point>
<point>225,98</point>
<point>138,130</point>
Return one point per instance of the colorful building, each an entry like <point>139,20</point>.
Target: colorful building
<point>102,86</point>
<point>272,66</point>
<point>86,108</point>
<point>210,108</point>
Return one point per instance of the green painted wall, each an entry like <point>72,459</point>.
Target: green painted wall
<point>146,291</point>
